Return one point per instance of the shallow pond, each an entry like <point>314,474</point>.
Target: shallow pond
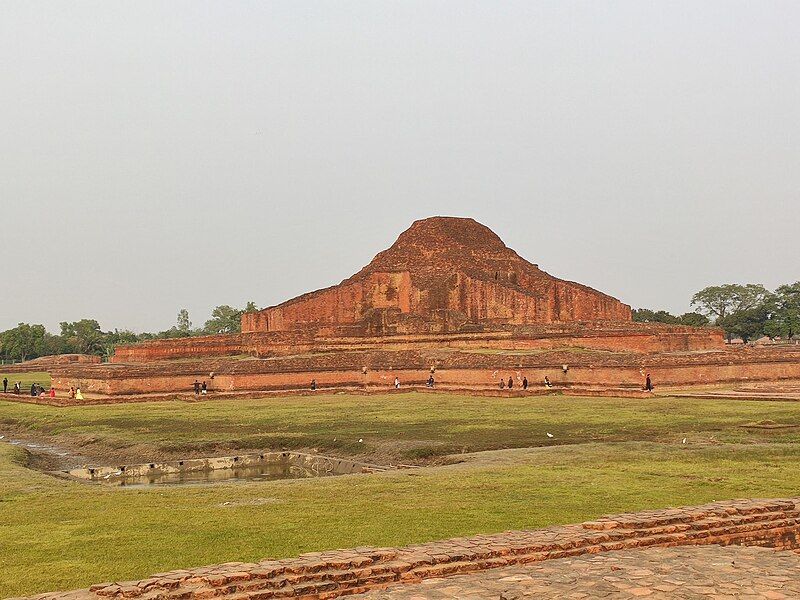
<point>251,473</point>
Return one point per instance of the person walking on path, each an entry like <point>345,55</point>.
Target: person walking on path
<point>648,383</point>
<point>524,383</point>
<point>52,392</point>
<point>204,388</point>
<point>78,395</point>
<point>313,385</point>
<point>196,387</point>
<point>5,384</point>
<point>510,382</point>
<point>17,388</point>
<point>397,383</point>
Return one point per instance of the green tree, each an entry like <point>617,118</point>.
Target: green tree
<point>117,337</point>
<point>719,301</point>
<point>785,318</point>
<point>84,336</point>
<point>224,319</point>
<point>645,315</point>
<point>184,324</point>
<point>693,319</point>
<point>747,324</point>
<point>24,342</point>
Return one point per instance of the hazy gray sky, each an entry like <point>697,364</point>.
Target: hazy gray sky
<point>159,155</point>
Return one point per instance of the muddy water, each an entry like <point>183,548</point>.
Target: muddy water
<point>254,473</point>
<point>267,466</point>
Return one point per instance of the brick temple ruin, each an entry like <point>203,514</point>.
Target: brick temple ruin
<point>450,298</point>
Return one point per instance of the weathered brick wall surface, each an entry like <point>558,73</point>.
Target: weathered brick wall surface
<point>457,369</point>
<point>442,272</point>
<point>332,574</point>
<point>627,337</point>
<point>45,363</point>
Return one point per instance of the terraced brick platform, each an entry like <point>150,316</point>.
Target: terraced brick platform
<point>773,523</point>
<point>699,573</point>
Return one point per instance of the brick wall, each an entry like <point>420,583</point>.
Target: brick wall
<point>325,575</point>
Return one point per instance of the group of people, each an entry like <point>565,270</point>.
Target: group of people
<point>510,384</point>
<point>75,393</point>
<point>200,388</point>
<point>648,385</point>
<point>38,391</point>
<point>17,386</point>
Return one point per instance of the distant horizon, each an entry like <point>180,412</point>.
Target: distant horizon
<point>159,156</point>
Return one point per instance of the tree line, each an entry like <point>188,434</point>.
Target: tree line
<point>748,311</point>
<point>27,341</point>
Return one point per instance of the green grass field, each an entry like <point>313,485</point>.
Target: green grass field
<point>607,455</point>
<point>397,427</point>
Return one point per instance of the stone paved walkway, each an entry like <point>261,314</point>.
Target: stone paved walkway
<point>706,572</point>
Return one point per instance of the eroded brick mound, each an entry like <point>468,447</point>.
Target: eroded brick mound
<point>46,363</point>
<point>332,574</point>
<point>443,274</point>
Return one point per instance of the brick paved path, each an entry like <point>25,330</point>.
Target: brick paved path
<point>707,572</point>
<point>774,523</point>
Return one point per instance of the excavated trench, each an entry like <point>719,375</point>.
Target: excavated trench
<point>260,466</point>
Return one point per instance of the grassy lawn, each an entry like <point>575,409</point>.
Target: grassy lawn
<point>614,455</point>
<point>402,427</point>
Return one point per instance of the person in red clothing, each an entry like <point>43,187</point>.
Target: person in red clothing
<point>52,392</point>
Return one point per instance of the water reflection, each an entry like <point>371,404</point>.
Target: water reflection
<point>252,473</point>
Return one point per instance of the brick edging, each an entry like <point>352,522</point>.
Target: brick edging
<point>323,575</point>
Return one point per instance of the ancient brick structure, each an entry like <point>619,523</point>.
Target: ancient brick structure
<point>46,363</point>
<point>443,274</point>
<point>616,336</point>
<point>333,574</point>
<point>445,282</point>
<point>476,369</point>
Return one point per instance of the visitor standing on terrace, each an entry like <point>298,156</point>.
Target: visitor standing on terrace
<point>196,387</point>
<point>5,384</point>
<point>648,383</point>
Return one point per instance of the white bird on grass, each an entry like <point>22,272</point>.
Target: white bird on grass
<point>549,434</point>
